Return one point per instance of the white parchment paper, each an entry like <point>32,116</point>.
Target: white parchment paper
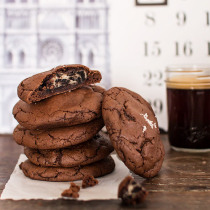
<point>21,187</point>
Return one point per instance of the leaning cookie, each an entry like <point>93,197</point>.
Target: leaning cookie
<point>97,169</point>
<point>58,80</point>
<point>55,138</point>
<point>133,130</point>
<point>86,153</point>
<point>71,108</point>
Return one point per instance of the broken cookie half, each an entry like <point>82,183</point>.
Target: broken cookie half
<point>131,192</point>
<point>58,80</point>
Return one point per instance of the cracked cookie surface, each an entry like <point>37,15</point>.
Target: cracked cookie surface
<point>55,81</point>
<point>57,137</point>
<point>133,130</point>
<point>71,108</point>
<point>96,169</point>
<point>82,154</point>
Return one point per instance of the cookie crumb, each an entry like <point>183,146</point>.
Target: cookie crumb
<point>131,192</point>
<point>74,187</point>
<point>72,191</point>
<point>89,181</point>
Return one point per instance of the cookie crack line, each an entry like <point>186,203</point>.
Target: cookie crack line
<point>128,117</point>
<point>141,148</point>
<point>59,157</point>
<point>155,166</point>
<point>135,98</point>
<point>51,136</point>
<point>66,111</point>
<point>72,157</point>
<point>88,158</point>
<point>157,162</point>
<point>110,94</point>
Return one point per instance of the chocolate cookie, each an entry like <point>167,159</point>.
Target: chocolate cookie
<point>66,109</point>
<point>96,169</point>
<point>86,153</point>
<point>133,130</point>
<point>58,80</point>
<point>57,137</point>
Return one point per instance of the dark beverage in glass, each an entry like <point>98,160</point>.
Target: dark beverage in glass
<point>188,100</point>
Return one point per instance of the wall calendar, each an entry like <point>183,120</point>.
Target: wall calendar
<point>148,35</point>
<point>130,42</point>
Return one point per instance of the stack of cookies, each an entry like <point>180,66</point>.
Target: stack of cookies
<point>59,117</point>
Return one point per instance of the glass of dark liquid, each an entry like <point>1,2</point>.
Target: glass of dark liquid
<point>188,100</point>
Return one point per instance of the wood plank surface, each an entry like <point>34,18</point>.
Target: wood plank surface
<point>182,183</point>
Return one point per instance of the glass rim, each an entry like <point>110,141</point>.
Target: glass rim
<point>185,68</point>
<point>187,83</point>
<point>188,75</point>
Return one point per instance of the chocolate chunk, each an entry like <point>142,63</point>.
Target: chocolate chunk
<point>89,181</point>
<point>60,79</point>
<point>131,192</point>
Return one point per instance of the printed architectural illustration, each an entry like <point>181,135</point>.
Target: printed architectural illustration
<point>36,35</point>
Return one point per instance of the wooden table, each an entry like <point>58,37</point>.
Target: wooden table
<point>182,183</point>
